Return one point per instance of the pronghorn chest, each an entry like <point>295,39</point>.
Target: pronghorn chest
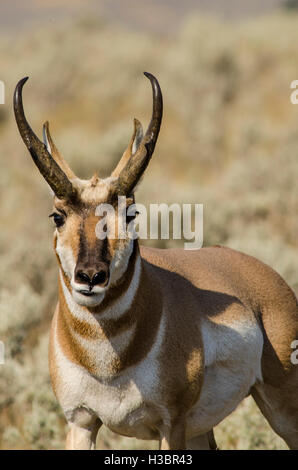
<point>120,402</point>
<point>105,364</point>
<point>125,402</point>
<point>120,405</point>
<point>131,402</point>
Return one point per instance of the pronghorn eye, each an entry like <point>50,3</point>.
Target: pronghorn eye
<point>58,219</point>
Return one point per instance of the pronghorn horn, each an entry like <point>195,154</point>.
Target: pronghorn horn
<point>136,165</point>
<point>139,136</point>
<point>46,164</point>
<point>133,145</point>
<point>52,149</point>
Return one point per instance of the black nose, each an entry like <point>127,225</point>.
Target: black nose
<point>100,278</point>
<point>92,277</point>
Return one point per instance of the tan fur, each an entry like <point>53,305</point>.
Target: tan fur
<point>185,289</point>
<point>145,316</point>
<point>158,344</point>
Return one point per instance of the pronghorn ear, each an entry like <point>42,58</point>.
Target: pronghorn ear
<point>133,145</point>
<point>52,149</point>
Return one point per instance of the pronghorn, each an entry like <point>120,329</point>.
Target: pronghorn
<point>158,344</point>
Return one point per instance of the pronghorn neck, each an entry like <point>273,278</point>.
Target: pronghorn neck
<point>122,327</point>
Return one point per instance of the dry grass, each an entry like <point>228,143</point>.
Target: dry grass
<point>229,140</point>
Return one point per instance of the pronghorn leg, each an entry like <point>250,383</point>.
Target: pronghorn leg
<point>212,441</point>
<point>82,438</point>
<point>173,438</point>
<point>202,442</point>
<point>279,405</point>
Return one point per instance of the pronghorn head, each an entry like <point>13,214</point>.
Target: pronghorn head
<point>91,263</point>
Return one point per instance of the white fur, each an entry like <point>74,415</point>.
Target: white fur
<point>130,403</point>
<point>81,299</point>
<point>76,309</point>
<point>233,354</point>
<point>104,352</point>
<point>118,267</point>
<point>119,400</point>
<point>120,261</point>
<point>66,258</point>
<point>221,339</point>
<point>125,301</point>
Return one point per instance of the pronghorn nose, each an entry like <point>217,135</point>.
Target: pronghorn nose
<point>100,278</point>
<point>92,276</point>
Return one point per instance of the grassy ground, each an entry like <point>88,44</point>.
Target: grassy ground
<point>229,140</point>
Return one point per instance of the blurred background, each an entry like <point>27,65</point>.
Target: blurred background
<point>229,140</point>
